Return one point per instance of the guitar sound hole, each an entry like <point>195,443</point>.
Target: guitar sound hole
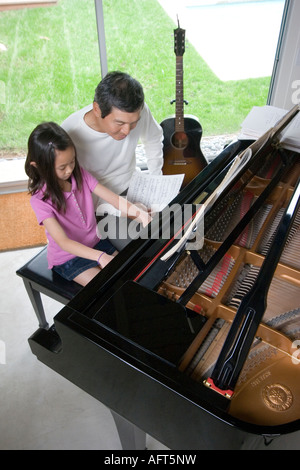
<point>180,140</point>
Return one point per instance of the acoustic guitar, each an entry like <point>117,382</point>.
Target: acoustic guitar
<point>182,133</point>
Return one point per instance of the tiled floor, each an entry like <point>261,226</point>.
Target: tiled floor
<point>40,410</point>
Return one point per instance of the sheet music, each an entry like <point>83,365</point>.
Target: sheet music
<point>261,119</point>
<point>154,191</point>
<point>290,137</point>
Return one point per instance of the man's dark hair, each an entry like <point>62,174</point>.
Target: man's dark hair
<point>119,90</point>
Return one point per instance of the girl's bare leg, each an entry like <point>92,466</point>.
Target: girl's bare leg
<point>85,277</point>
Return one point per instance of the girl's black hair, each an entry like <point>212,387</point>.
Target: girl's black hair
<point>42,143</point>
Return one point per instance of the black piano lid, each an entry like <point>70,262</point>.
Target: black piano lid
<point>151,321</point>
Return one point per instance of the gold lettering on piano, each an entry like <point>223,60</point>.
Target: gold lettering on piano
<point>260,379</point>
<point>277,397</point>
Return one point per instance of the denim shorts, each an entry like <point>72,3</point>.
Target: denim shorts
<point>77,265</point>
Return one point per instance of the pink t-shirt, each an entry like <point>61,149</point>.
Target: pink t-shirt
<point>78,222</point>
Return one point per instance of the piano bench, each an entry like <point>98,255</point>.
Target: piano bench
<point>38,279</point>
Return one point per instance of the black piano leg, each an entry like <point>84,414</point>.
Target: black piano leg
<point>35,298</point>
<point>131,437</point>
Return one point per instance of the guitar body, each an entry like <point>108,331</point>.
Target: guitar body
<point>182,152</point>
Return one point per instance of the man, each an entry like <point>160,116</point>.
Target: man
<point>107,132</point>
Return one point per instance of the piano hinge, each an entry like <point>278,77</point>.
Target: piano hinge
<point>225,393</point>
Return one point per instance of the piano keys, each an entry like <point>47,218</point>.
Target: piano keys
<point>146,334</point>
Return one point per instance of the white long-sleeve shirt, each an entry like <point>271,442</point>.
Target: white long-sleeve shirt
<point>111,161</point>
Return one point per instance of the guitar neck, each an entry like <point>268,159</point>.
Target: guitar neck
<point>179,117</point>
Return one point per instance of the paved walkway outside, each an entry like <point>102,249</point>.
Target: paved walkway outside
<point>237,40</point>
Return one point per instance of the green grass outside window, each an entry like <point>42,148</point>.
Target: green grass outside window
<point>52,66</point>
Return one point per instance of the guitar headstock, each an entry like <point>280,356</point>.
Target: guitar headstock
<point>179,41</point>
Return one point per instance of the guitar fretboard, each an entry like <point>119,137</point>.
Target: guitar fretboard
<point>179,118</point>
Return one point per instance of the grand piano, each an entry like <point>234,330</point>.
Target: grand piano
<point>191,334</point>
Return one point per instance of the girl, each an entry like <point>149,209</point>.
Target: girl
<point>61,196</point>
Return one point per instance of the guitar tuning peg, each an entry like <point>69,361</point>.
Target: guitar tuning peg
<point>186,102</point>
<point>172,101</point>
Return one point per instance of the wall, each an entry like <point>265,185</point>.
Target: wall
<point>285,85</point>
